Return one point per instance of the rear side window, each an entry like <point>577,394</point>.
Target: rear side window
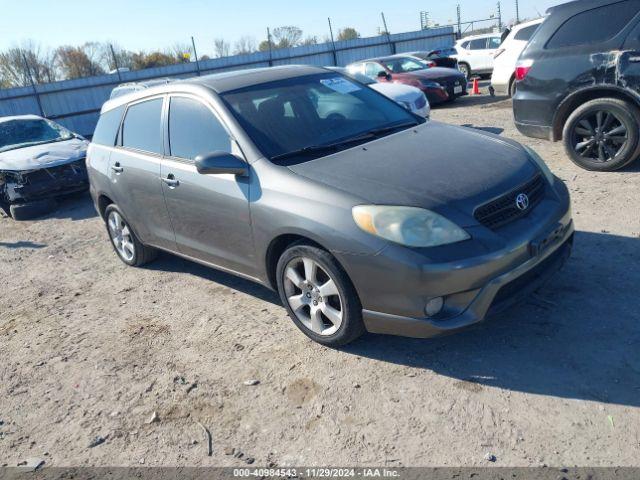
<point>526,33</point>
<point>142,129</point>
<point>494,42</point>
<point>194,129</point>
<point>107,127</point>
<point>595,25</point>
<point>478,44</point>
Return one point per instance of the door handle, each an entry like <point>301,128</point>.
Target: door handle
<point>170,181</point>
<point>117,168</point>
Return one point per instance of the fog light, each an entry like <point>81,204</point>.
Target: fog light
<point>434,306</point>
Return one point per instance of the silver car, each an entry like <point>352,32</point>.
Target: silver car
<point>367,218</point>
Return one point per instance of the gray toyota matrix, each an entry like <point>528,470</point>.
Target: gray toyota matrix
<point>361,215</point>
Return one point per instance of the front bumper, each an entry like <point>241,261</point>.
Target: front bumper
<point>475,280</point>
<point>497,295</point>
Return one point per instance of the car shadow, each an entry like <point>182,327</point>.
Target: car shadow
<point>494,130</point>
<point>172,263</point>
<point>476,100</point>
<point>78,206</point>
<point>577,338</point>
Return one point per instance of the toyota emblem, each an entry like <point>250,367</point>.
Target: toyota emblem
<point>522,201</point>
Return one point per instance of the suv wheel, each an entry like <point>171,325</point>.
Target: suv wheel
<point>124,241</point>
<point>319,296</point>
<point>602,134</point>
<point>465,69</point>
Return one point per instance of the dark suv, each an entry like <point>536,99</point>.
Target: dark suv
<point>579,80</point>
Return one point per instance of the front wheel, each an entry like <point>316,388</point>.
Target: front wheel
<point>125,242</point>
<point>602,134</point>
<point>465,70</point>
<point>319,296</point>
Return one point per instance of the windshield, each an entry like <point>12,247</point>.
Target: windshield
<point>305,114</point>
<point>403,64</point>
<point>21,133</point>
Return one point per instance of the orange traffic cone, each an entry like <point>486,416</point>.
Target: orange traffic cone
<point>476,87</point>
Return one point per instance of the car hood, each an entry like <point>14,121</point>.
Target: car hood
<point>450,170</point>
<point>46,155</point>
<point>398,91</point>
<point>435,72</point>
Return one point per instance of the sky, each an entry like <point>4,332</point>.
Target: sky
<point>160,24</point>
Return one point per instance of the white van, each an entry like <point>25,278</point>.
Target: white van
<point>504,64</point>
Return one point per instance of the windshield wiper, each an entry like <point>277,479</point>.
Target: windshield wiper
<point>333,147</point>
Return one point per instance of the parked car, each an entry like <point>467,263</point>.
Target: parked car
<point>376,221</point>
<point>410,98</point>
<point>438,84</point>
<point>129,87</point>
<point>443,57</point>
<point>577,81</point>
<point>503,79</point>
<point>475,53</point>
<point>39,162</point>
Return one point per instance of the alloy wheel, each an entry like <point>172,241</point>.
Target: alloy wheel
<point>313,296</point>
<point>121,236</point>
<point>599,136</point>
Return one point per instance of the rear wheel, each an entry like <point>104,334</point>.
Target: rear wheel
<point>125,242</point>
<point>512,88</point>
<point>602,134</point>
<point>319,296</point>
<point>465,69</point>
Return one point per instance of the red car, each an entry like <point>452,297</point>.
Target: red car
<point>438,84</point>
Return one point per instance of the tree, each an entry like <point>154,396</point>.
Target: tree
<point>123,58</point>
<point>264,46</point>
<point>348,33</point>
<point>221,48</point>
<point>181,52</point>
<point>144,60</point>
<point>78,62</point>
<point>311,40</point>
<point>287,36</point>
<point>245,45</point>
<point>19,64</point>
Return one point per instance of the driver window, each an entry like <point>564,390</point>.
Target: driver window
<point>371,70</point>
<point>194,129</point>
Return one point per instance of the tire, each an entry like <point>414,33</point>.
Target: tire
<point>302,299</point>
<point>134,254</point>
<point>602,134</point>
<point>31,210</point>
<point>465,69</point>
<point>512,88</point>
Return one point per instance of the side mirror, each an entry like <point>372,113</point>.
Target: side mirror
<point>216,163</point>
<point>383,75</point>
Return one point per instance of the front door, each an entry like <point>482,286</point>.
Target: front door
<point>209,213</point>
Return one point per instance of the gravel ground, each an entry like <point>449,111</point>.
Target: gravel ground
<point>103,364</point>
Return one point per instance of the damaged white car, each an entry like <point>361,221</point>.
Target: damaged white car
<point>39,162</point>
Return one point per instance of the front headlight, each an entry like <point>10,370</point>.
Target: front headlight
<point>409,226</point>
<point>541,165</point>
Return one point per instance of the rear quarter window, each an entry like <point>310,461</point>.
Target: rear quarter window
<point>526,33</point>
<point>107,127</point>
<point>595,25</point>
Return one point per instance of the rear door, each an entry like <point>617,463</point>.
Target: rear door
<point>209,213</point>
<point>135,173</point>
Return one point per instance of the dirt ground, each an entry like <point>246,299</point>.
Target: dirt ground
<point>102,364</point>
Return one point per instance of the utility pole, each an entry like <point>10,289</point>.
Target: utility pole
<point>499,17</point>
<point>386,30</point>
<point>270,47</point>
<point>333,43</point>
<point>115,62</point>
<point>517,12</point>
<point>195,54</point>
<point>424,20</point>
<point>33,84</point>
<point>459,21</point>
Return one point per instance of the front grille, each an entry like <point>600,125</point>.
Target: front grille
<point>58,173</point>
<point>503,210</point>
